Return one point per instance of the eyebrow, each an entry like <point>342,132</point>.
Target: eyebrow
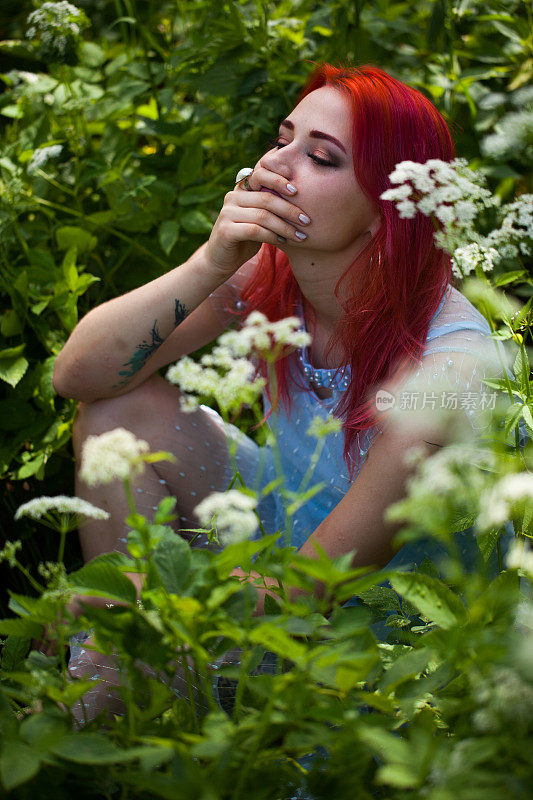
<point>314,134</point>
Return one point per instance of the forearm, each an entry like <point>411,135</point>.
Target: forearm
<point>109,351</point>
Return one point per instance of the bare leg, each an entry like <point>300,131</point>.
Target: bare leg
<point>198,440</point>
<point>152,412</point>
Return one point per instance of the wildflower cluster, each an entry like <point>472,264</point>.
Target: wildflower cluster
<point>449,190</point>
<point>225,374</point>
<point>42,155</point>
<point>504,698</point>
<point>56,28</point>
<point>268,339</point>
<point>44,506</point>
<point>232,513</point>
<point>453,195</point>
<point>112,455</point>
<point>505,498</point>
<point>474,255</point>
<point>514,131</point>
<point>515,236</point>
<point>450,479</point>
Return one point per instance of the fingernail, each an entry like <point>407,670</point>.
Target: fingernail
<point>304,218</point>
<point>300,235</point>
<point>291,188</point>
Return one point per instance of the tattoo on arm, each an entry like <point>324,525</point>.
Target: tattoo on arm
<point>147,348</point>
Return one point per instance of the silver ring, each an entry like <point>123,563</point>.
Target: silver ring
<point>245,172</point>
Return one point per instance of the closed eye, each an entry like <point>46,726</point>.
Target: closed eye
<point>322,161</point>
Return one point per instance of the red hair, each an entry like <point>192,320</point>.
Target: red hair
<point>385,322</point>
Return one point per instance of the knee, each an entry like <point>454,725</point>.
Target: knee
<point>129,410</point>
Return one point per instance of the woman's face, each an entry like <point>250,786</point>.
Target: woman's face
<point>314,153</point>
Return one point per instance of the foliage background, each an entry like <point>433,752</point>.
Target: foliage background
<point>155,108</point>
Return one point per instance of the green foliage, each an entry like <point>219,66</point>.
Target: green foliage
<point>118,146</point>
<point>304,686</point>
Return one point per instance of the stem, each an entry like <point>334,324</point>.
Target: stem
<point>499,550</point>
<point>30,578</point>
<point>190,690</point>
<point>63,533</point>
<point>312,464</point>
<point>287,533</point>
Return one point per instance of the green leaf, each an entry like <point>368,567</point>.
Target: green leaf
<point>528,418</point>
<point>172,557</point>
<point>44,729</point>
<point>507,277</point>
<point>431,597</point>
<point>12,370</point>
<point>196,222</point>
<point>405,667</point>
<point>275,639</point>
<point>11,324</point>
<point>168,234</point>
<point>93,748</point>
<point>18,763</point>
<point>20,626</point>
<point>190,166</point>
<point>91,54</point>
<point>102,579</point>
<point>71,236</point>
<point>521,368</point>
<point>272,606</point>
<point>68,268</point>
<point>14,651</point>
<point>486,542</point>
<point>197,194</point>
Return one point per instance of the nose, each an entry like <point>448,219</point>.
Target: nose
<point>276,160</point>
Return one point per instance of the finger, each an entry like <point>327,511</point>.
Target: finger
<point>252,232</point>
<point>262,177</point>
<point>276,205</point>
<point>271,222</point>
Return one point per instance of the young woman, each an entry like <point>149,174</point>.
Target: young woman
<point>305,233</point>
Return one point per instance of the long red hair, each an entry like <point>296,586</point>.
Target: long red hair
<point>385,322</point>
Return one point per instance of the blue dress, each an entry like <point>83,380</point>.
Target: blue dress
<point>458,349</point>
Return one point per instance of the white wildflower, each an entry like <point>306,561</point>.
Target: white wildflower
<point>448,191</point>
<point>225,374</point>
<point>406,209</point>
<point>264,337</point>
<point>445,214</point>
<point>188,404</point>
<point>520,556</point>
<point>21,76</point>
<point>513,137</point>
<point>497,503</point>
<point>56,18</point>
<point>443,472</point>
<point>474,255</point>
<point>42,155</point>
<point>61,503</point>
<point>232,513</point>
<point>112,455</point>
<point>517,226</point>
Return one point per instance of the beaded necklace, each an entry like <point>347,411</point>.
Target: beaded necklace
<point>337,379</point>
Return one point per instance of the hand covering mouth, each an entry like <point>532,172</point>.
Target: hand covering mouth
<point>264,189</point>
